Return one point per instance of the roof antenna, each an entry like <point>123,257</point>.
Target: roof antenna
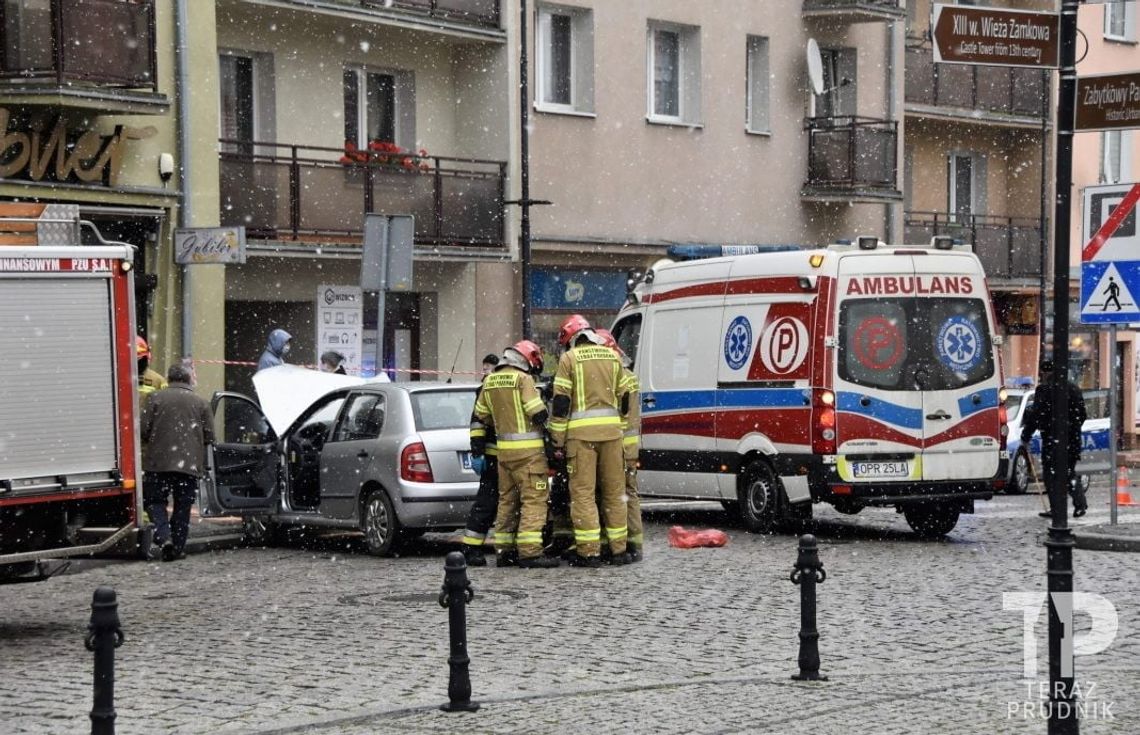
<point>453,362</point>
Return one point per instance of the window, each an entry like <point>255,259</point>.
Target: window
<point>627,333</point>
<point>757,115</point>
<point>674,70</point>
<point>379,105</point>
<point>238,102</point>
<point>1120,21</point>
<point>565,63</point>
<point>450,409</point>
<point>966,186</point>
<point>362,420</point>
<point>838,98</point>
<point>1115,146</point>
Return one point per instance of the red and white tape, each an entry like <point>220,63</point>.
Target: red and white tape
<point>409,371</point>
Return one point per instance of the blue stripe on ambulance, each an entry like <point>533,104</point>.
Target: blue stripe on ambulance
<point>880,410</point>
<point>987,399</point>
<point>692,400</point>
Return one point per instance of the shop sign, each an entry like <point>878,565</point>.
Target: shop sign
<point>340,324</point>
<point>201,245</point>
<point>65,154</point>
<point>579,290</point>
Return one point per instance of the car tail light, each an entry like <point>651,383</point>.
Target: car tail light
<point>1003,426</point>
<point>823,428</point>
<point>414,464</point>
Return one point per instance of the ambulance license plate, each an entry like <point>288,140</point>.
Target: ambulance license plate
<point>879,470</point>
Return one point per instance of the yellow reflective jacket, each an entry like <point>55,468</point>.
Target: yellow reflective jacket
<point>590,376</point>
<point>508,403</point>
<point>631,422</point>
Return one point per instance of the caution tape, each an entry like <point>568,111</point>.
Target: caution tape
<point>409,371</point>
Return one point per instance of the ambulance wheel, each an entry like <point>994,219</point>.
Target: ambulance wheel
<point>1019,478</point>
<point>931,521</point>
<point>759,497</point>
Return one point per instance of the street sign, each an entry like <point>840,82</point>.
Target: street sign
<point>1108,101</point>
<point>990,36</point>
<point>1110,261</point>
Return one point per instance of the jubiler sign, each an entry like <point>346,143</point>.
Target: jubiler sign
<point>972,35</point>
<point>1108,101</point>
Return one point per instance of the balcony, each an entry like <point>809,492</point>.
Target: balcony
<point>855,11</point>
<point>305,193</point>
<point>997,94</point>
<point>1009,247</point>
<point>483,13</point>
<point>851,159</point>
<point>91,54</point>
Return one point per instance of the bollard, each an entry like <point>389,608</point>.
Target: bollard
<point>807,573</point>
<point>103,636</point>
<point>455,595</point>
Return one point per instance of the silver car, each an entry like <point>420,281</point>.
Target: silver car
<point>388,459</point>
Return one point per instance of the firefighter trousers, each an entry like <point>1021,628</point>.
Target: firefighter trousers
<point>596,472</point>
<point>481,517</point>
<point>524,489</point>
<point>633,505</point>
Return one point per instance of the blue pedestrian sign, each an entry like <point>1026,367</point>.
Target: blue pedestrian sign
<point>1110,267</point>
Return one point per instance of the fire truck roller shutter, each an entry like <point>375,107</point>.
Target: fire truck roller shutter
<point>57,398</point>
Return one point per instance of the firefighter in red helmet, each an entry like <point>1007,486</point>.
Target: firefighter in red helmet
<point>590,399</point>
<point>510,404</point>
<point>149,380</point>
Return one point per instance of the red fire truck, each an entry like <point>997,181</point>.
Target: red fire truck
<point>69,452</point>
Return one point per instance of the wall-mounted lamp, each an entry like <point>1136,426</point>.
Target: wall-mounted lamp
<point>165,167</point>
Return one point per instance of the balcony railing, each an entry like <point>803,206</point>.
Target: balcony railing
<point>64,42</point>
<point>483,13</point>
<point>853,156</point>
<point>1009,247</point>
<point>293,192</point>
<point>996,89</point>
<point>856,11</point>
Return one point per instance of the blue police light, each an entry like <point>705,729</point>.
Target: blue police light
<point>697,252</point>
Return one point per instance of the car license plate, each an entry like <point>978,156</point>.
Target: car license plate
<point>465,460</point>
<point>878,470</point>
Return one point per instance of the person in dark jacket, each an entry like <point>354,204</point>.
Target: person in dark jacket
<point>177,427</point>
<point>276,349</point>
<point>1040,416</point>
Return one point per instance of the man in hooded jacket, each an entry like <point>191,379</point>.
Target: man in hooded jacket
<point>276,349</point>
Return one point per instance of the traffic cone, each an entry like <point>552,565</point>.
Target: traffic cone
<point>1123,489</point>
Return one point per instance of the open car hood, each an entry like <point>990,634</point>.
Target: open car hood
<point>285,391</point>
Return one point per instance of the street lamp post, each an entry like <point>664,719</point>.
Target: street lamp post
<point>1059,545</point>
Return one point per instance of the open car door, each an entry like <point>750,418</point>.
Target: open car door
<point>245,460</point>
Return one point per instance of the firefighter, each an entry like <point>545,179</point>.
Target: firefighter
<point>586,426</point>
<point>481,517</point>
<point>510,404</point>
<point>149,380</point>
<point>630,443</point>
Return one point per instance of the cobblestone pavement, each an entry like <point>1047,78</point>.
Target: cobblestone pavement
<point>321,638</point>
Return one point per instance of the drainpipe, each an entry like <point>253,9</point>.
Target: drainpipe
<point>892,112</point>
<point>182,86</point>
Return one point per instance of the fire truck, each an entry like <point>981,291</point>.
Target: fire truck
<point>69,450</point>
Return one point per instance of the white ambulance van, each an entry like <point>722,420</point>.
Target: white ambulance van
<point>856,375</point>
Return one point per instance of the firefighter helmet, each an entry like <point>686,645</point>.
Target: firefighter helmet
<point>607,338</point>
<point>530,352</point>
<point>142,349</point>
<point>571,326</point>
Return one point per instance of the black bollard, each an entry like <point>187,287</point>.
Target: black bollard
<point>455,595</point>
<point>807,573</point>
<point>103,636</point>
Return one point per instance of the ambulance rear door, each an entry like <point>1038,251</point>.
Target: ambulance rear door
<point>879,406</point>
<point>960,372</point>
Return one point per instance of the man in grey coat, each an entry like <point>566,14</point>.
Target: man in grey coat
<point>177,428</point>
<point>276,349</point>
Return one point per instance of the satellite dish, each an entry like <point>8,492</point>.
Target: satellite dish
<point>815,66</point>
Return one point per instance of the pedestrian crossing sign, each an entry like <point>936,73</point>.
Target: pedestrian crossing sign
<point>1107,289</point>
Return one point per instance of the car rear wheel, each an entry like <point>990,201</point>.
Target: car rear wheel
<point>931,521</point>
<point>759,494</point>
<point>379,524</point>
<point>1019,478</point>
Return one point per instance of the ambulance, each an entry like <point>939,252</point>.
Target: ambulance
<point>859,375</point>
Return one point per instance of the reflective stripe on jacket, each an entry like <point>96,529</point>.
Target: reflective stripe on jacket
<point>591,378</point>
<point>631,422</point>
<point>508,403</point>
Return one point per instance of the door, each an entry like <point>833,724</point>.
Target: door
<point>244,461</point>
<point>879,420</point>
<point>348,453</point>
